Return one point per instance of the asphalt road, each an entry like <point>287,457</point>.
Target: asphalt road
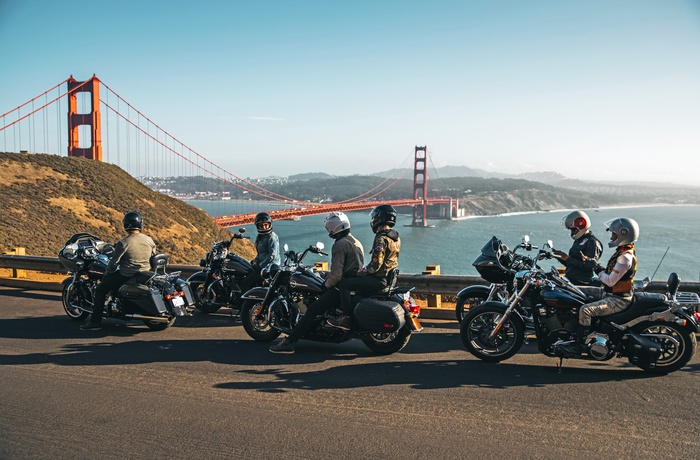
<point>203,389</point>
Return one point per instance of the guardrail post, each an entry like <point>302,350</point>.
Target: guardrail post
<point>321,266</point>
<point>17,272</point>
<point>434,300</point>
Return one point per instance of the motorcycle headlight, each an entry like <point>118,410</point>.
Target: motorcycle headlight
<point>202,262</point>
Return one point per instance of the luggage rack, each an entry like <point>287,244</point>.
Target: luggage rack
<point>688,299</point>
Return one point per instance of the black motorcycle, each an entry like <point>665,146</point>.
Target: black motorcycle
<point>501,287</point>
<point>218,284</point>
<point>384,322</point>
<point>654,333</point>
<point>154,298</point>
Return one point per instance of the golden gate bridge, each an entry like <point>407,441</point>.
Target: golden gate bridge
<point>88,119</point>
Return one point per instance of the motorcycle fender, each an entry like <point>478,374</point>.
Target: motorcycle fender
<point>198,277</point>
<point>471,290</point>
<point>257,293</point>
<point>690,322</point>
<point>515,316</point>
<point>67,281</point>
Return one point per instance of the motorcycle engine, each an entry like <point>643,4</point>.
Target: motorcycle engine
<point>555,324</point>
<point>599,347</point>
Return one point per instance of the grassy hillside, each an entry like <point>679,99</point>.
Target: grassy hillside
<point>47,198</point>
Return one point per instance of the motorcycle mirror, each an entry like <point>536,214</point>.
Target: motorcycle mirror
<point>526,239</point>
<point>320,245</point>
<point>285,247</point>
<point>548,245</point>
<point>241,230</point>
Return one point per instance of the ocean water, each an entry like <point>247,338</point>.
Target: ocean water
<point>668,239</point>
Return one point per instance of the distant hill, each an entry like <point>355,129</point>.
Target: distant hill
<point>48,198</point>
<point>309,176</point>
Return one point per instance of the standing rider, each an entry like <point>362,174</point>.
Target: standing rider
<point>375,276</point>
<point>131,255</point>
<point>585,244</point>
<point>617,278</point>
<point>267,245</point>
<point>347,257</point>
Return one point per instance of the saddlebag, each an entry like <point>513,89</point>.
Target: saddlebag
<point>148,299</point>
<point>641,351</point>
<point>374,315</point>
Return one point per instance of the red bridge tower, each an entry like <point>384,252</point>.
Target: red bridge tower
<point>91,119</point>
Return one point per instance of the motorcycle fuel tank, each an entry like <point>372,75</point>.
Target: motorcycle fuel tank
<point>558,299</point>
<point>97,268</point>
<point>237,264</point>
<point>307,281</point>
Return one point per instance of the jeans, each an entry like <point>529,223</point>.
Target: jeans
<point>110,282</point>
<point>328,300</point>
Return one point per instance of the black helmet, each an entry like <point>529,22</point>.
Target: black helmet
<point>384,214</point>
<point>132,221</point>
<point>263,223</point>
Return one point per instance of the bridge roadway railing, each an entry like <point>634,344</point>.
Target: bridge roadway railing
<point>425,284</point>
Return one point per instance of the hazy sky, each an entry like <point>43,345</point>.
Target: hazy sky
<point>591,89</point>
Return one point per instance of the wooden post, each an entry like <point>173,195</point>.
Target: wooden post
<point>18,272</point>
<point>321,266</point>
<point>434,300</point>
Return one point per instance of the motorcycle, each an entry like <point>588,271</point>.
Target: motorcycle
<point>384,322</point>
<point>654,332</point>
<point>501,286</point>
<point>154,298</point>
<point>218,283</point>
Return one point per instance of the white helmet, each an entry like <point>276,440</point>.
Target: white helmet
<point>624,231</point>
<point>577,223</point>
<point>335,223</point>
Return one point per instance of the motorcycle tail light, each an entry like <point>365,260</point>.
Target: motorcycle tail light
<point>697,316</point>
<point>412,308</point>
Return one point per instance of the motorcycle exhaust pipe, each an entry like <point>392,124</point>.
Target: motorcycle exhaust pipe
<point>160,319</point>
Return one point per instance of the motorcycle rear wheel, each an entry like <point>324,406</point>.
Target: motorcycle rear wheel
<point>477,327</point>
<point>257,326</point>
<point>201,300</point>
<point>158,325</point>
<point>673,357</point>
<point>72,299</point>
<point>386,344</point>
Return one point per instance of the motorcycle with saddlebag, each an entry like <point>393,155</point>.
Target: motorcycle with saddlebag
<point>384,321</point>
<point>156,298</point>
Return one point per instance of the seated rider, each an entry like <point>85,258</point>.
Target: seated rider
<point>131,255</point>
<point>617,278</point>
<point>375,276</point>
<point>585,244</point>
<point>347,257</point>
<point>267,245</point>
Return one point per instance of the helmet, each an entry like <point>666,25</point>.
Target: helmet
<point>577,223</point>
<point>263,223</point>
<point>132,221</point>
<point>335,223</point>
<point>624,231</point>
<point>384,214</point>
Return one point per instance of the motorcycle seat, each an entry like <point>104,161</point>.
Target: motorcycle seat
<point>392,278</point>
<point>642,303</point>
<point>139,279</point>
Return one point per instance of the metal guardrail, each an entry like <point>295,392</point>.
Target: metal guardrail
<point>428,285</point>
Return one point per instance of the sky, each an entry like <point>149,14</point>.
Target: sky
<point>594,90</point>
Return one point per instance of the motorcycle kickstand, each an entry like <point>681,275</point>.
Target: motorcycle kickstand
<point>561,361</point>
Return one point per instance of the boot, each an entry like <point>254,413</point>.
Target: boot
<point>575,348</point>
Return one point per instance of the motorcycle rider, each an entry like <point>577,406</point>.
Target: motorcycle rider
<point>617,278</point>
<point>585,244</point>
<point>375,276</point>
<point>347,257</point>
<point>131,255</point>
<point>267,245</point>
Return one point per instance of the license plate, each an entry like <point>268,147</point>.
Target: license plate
<point>178,301</point>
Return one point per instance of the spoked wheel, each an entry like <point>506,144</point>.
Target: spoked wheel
<point>466,303</point>
<point>677,346</point>
<point>476,330</point>
<point>159,325</point>
<point>255,321</point>
<point>386,344</point>
<point>204,299</point>
<point>73,298</point>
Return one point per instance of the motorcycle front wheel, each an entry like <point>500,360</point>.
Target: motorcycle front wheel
<point>255,322</point>
<point>466,303</point>
<point>476,330</point>
<point>677,345</point>
<point>203,300</point>
<point>386,344</point>
<point>73,298</point>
